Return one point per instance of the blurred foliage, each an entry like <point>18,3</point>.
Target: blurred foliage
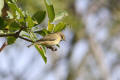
<point>114,7</point>
<point>1,6</point>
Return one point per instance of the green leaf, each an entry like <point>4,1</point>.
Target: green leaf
<point>11,40</point>
<point>21,21</point>
<point>39,16</point>
<point>42,52</point>
<point>27,36</point>
<point>3,24</point>
<point>14,8</point>
<point>40,48</point>
<point>14,26</point>
<point>43,32</point>
<point>50,26</point>
<point>59,27</point>
<point>30,22</point>
<point>50,10</point>
<point>1,6</point>
<point>60,15</point>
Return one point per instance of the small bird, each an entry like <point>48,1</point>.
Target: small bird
<point>50,39</point>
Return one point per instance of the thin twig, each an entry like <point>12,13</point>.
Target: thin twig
<point>25,39</point>
<point>3,46</point>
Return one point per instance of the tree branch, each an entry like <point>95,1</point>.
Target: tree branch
<point>12,34</point>
<point>6,35</point>
<point>17,34</point>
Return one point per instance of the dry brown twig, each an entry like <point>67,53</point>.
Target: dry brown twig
<point>3,46</point>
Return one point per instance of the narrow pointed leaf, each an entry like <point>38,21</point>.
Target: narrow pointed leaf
<point>15,8</point>
<point>30,22</point>
<point>42,52</point>
<point>50,10</point>
<point>59,27</point>
<point>39,16</point>
<point>60,15</point>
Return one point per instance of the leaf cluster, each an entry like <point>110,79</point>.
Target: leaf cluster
<point>16,23</point>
